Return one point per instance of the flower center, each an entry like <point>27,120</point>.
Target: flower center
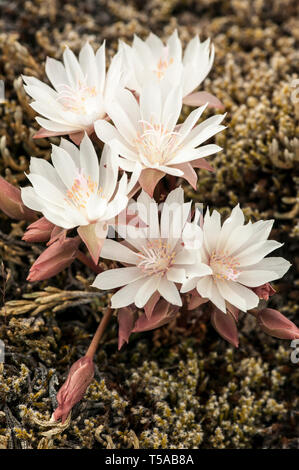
<point>156,258</point>
<point>76,99</point>
<point>156,145</point>
<point>224,267</point>
<point>82,190</point>
<point>163,64</point>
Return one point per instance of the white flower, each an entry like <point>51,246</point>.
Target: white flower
<point>157,255</point>
<point>78,192</point>
<point>146,134</point>
<point>81,88</point>
<point>152,59</point>
<point>235,254</point>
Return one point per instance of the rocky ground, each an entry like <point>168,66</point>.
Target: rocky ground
<point>180,386</point>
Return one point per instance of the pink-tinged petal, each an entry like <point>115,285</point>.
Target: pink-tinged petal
<point>151,303</point>
<point>149,179</point>
<point>54,259</point>
<point>196,300</point>
<point>225,325</point>
<point>39,231</point>
<point>126,319</point>
<point>11,203</point>
<point>265,291</point>
<point>200,98</point>
<point>45,133</point>
<point>276,324</point>
<point>73,390</point>
<point>57,233</point>
<point>92,239</point>
<point>189,174</point>
<point>77,137</point>
<point>203,164</point>
<point>234,311</point>
<point>163,313</point>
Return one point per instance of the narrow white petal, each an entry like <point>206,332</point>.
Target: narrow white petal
<point>145,292</point>
<point>118,252</point>
<point>72,68</point>
<point>206,287</point>
<point>257,278</point>
<point>189,284</point>
<point>169,291</point>
<point>31,199</point>
<point>88,159</point>
<point>126,295</point>
<point>176,275</point>
<point>238,295</point>
<point>55,72</point>
<point>256,252</point>
<point>113,278</point>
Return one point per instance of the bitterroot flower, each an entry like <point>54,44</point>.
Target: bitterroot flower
<point>151,59</point>
<point>235,254</point>
<point>150,142</point>
<point>81,89</point>
<point>155,257</point>
<point>77,191</point>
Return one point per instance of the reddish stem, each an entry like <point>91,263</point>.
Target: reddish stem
<point>99,333</point>
<point>88,262</point>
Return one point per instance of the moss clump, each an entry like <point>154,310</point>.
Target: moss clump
<point>180,386</point>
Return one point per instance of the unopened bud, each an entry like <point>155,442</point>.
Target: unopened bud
<point>39,231</point>
<point>54,259</point>
<point>11,202</point>
<point>73,390</point>
<point>276,324</point>
<point>264,292</point>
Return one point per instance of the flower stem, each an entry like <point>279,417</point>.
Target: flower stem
<point>99,333</point>
<point>88,262</point>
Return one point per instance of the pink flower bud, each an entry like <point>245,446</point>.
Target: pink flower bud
<point>54,259</point>
<point>195,300</point>
<point>275,324</point>
<point>39,231</point>
<point>225,325</point>
<point>11,202</point>
<point>264,292</point>
<point>73,390</point>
